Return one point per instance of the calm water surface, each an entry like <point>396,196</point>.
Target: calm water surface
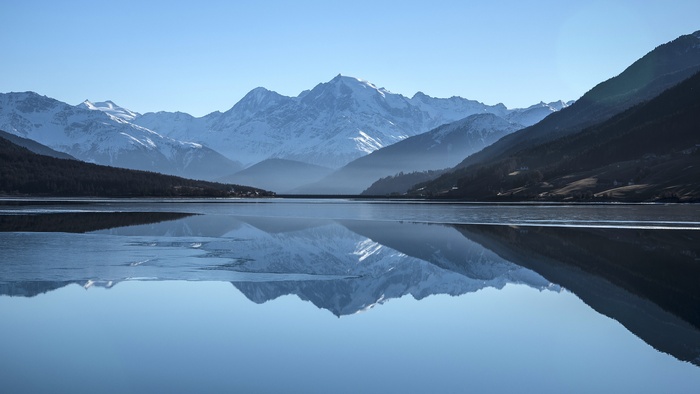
<point>343,296</point>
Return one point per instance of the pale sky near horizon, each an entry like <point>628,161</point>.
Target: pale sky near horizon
<point>200,57</point>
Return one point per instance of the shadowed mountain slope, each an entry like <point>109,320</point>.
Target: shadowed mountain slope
<point>663,67</point>
<point>26,173</point>
<point>646,152</point>
<point>649,152</point>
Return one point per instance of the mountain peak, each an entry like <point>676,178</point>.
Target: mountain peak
<point>343,90</point>
<point>110,108</point>
<point>350,81</point>
<point>258,94</point>
<point>419,96</point>
<point>257,100</point>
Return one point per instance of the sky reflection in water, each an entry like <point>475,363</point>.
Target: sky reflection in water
<point>251,304</point>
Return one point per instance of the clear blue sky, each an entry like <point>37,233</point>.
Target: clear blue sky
<point>203,56</point>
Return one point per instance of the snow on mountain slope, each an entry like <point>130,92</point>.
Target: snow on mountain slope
<point>179,125</point>
<point>448,110</point>
<point>100,133</point>
<point>110,108</point>
<point>329,125</point>
<point>442,147</point>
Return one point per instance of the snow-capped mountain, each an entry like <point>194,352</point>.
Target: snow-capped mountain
<point>102,133</point>
<point>329,125</point>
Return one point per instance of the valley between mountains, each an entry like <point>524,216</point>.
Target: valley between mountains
<point>634,137</point>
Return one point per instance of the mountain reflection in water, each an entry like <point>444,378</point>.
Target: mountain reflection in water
<point>645,279</point>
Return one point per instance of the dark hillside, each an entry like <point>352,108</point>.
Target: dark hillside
<point>645,279</point>
<point>663,67</point>
<point>25,173</point>
<point>649,152</point>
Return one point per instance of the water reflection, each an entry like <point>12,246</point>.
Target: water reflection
<point>645,279</point>
<point>80,222</point>
<point>338,265</point>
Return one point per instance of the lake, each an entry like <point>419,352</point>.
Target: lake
<point>342,296</point>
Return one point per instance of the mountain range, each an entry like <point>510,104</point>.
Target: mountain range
<point>347,135</point>
<point>102,137</point>
<point>327,126</point>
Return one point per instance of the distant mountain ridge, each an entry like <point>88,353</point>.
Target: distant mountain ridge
<point>329,125</point>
